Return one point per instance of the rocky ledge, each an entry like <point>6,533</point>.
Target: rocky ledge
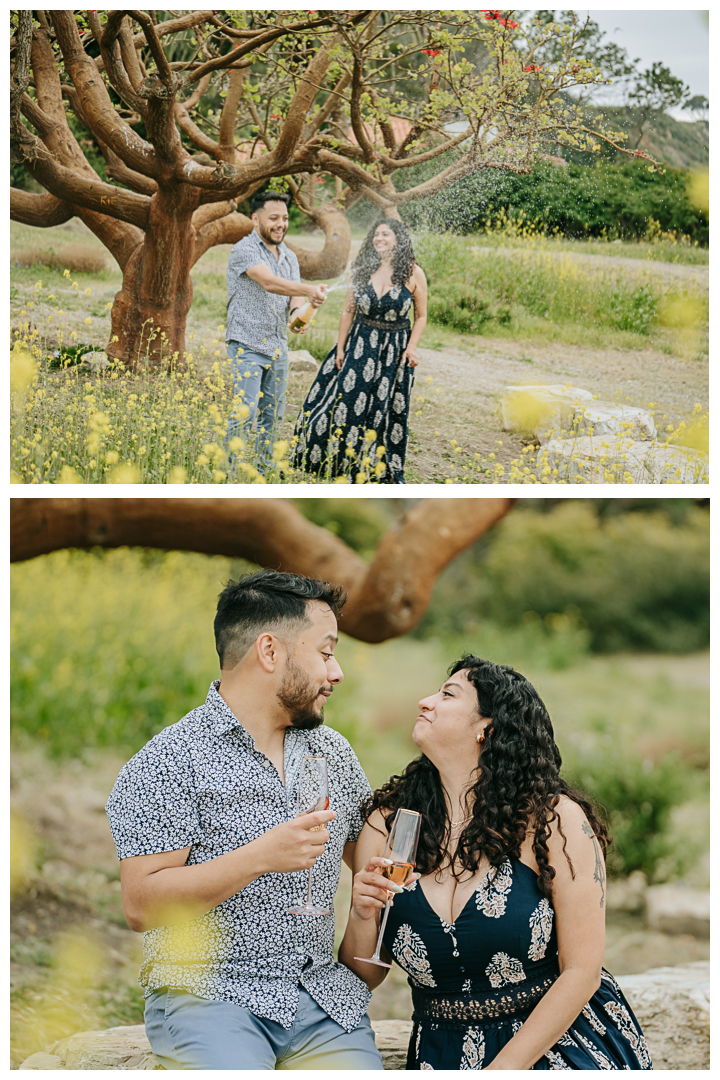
<point>672,1005</point>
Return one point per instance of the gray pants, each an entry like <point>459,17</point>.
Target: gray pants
<point>188,1032</point>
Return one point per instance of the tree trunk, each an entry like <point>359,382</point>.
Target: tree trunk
<point>150,311</point>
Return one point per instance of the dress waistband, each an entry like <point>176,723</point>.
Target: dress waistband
<point>467,1008</point>
<point>398,324</point>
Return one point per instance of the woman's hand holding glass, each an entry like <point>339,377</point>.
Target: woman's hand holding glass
<point>371,889</point>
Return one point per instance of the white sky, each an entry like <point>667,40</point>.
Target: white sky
<point>679,39</point>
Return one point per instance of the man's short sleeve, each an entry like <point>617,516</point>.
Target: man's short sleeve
<point>243,255</point>
<point>152,807</point>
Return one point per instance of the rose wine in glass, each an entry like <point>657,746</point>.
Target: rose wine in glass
<point>401,848</point>
<point>312,795</point>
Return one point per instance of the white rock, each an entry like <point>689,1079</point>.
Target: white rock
<point>302,360</point>
<point>96,361</point>
<point>608,418</point>
<point>677,909</point>
<point>540,408</point>
<point>599,459</point>
<point>554,411</point>
<point>672,1005</point>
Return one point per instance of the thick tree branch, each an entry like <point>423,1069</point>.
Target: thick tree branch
<point>42,210</point>
<point>228,118</point>
<point>386,597</point>
<point>97,106</point>
<point>226,230</point>
<point>80,190</point>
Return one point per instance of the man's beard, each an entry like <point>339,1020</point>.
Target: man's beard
<point>299,698</point>
<point>266,236</point>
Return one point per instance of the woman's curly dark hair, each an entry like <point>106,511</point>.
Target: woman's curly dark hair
<point>368,260</point>
<point>518,782</point>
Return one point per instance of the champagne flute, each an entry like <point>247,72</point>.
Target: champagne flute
<point>402,849</point>
<point>312,795</point>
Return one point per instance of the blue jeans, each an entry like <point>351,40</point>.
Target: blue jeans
<point>260,383</point>
<point>188,1032</point>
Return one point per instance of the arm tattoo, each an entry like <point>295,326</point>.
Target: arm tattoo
<point>599,874</point>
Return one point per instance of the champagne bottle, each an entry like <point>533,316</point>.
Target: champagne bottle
<point>302,317</point>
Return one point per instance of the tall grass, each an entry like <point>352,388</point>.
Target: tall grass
<point>472,288</point>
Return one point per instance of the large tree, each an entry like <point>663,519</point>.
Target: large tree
<point>195,112</point>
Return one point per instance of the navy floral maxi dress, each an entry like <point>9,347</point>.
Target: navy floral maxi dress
<point>371,393</point>
<point>475,981</point>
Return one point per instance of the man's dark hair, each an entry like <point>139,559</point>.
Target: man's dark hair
<point>259,200</point>
<point>267,600</point>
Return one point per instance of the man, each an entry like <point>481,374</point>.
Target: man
<point>263,279</point>
<point>213,854</point>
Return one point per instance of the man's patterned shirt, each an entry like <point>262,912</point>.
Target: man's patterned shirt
<point>257,318</point>
<point>202,783</point>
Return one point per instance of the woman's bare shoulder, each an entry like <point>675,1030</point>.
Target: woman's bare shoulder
<point>417,278</point>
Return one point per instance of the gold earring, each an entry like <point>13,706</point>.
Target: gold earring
<point>481,737</point>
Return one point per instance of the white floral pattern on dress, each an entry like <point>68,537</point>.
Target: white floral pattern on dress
<point>340,414</point>
<point>396,434</point>
<point>360,403</point>
<point>382,390</point>
<point>504,969</point>
<point>349,381</point>
<point>622,1018</point>
<point>359,347</point>
<point>410,952</point>
<point>541,923</point>
<point>369,369</point>
<point>594,1052</point>
<point>556,1060</point>
<point>593,1019</point>
<point>314,392</point>
<point>473,1049</point>
<point>492,893</point>
<point>321,426</point>
<point>374,339</point>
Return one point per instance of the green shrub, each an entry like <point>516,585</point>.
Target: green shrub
<point>470,288</point>
<point>638,797</point>
<point>636,581</point>
<point>610,199</point>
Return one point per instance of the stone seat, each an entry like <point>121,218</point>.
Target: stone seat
<point>671,1003</point>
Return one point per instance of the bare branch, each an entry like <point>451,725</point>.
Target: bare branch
<point>97,106</point>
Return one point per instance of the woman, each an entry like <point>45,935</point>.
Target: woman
<point>354,419</point>
<point>501,932</point>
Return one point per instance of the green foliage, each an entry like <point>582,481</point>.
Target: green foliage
<point>470,289</point>
<point>94,664</point>
<point>635,581</point>
<point>610,199</point>
<point>359,522</point>
<point>638,796</point>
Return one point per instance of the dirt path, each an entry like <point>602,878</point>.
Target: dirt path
<point>472,376</point>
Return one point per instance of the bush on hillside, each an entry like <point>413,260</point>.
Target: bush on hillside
<point>636,581</point>
<point>625,199</point>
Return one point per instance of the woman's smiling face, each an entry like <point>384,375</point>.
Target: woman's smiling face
<point>449,721</point>
<point>384,239</point>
